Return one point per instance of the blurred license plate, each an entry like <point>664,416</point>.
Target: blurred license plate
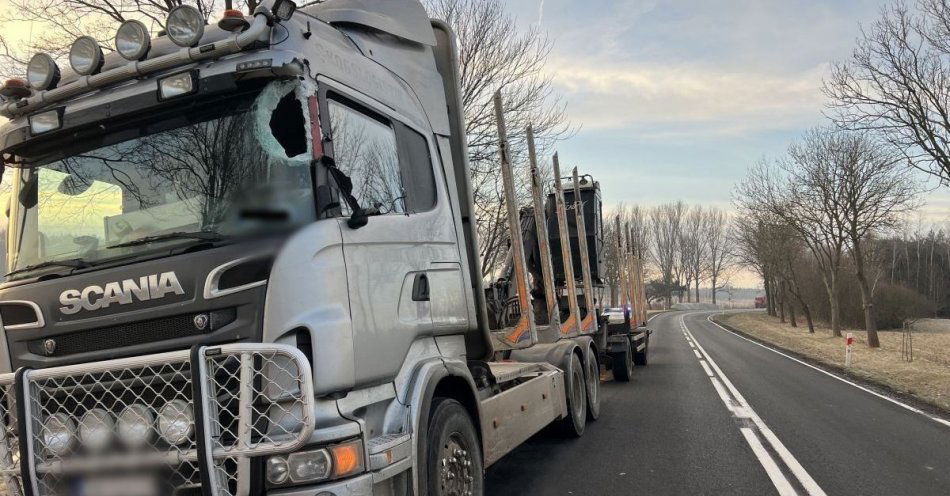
<point>127,485</point>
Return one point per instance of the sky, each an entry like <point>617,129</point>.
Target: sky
<point>677,98</point>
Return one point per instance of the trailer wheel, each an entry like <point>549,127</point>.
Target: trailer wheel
<point>623,364</point>
<point>640,357</point>
<point>573,425</point>
<point>454,454</point>
<point>592,374</point>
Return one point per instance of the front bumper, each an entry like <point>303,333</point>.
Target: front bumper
<point>247,400</point>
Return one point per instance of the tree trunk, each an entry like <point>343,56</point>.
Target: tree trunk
<point>835,310</point>
<point>697,290</point>
<point>714,289</point>
<point>807,311</point>
<point>781,301</point>
<point>867,299</point>
<point>791,312</point>
<point>769,297</point>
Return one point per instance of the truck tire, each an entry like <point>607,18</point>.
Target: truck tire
<point>576,391</point>
<point>453,454</point>
<point>640,357</point>
<point>623,364</point>
<point>592,374</point>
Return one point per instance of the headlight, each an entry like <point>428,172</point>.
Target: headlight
<point>135,425</point>
<point>277,470</point>
<point>132,40</point>
<point>309,466</point>
<point>176,422</point>
<point>185,26</point>
<point>95,429</point>
<point>45,122</point>
<point>58,434</point>
<point>177,85</point>
<point>85,56</point>
<point>42,72</point>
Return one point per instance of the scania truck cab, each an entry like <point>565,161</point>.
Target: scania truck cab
<point>241,260</point>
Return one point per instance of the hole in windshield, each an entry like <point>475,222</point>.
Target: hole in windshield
<point>288,125</point>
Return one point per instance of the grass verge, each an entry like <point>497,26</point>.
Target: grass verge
<point>926,379</point>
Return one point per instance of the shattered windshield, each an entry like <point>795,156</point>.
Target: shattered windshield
<point>203,174</point>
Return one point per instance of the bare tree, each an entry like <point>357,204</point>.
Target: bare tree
<point>719,252</point>
<point>897,84</point>
<point>875,192</point>
<point>495,54</point>
<point>666,223</point>
<point>694,248</point>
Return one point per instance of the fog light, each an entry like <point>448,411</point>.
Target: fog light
<point>45,122</point>
<point>42,72</point>
<point>135,425</point>
<point>309,466</point>
<point>132,40</point>
<point>277,470</point>
<point>85,56</point>
<point>59,432</point>
<point>95,429</point>
<point>185,26</point>
<point>176,422</point>
<point>177,85</point>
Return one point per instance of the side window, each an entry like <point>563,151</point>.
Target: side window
<point>365,149</point>
<point>417,165</point>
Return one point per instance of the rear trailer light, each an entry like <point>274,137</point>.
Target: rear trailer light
<point>177,85</point>
<point>45,122</point>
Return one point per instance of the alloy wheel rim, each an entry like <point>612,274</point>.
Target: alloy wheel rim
<point>455,467</point>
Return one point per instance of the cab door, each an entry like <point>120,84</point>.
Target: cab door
<point>400,262</point>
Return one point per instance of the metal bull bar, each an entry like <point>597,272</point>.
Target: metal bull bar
<point>243,400</point>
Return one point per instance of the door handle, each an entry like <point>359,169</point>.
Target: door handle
<point>420,288</point>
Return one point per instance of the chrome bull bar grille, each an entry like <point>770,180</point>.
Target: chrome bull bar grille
<point>190,420</point>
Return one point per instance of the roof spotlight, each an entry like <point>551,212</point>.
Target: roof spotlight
<point>85,56</point>
<point>132,40</point>
<point>42,72</point>
<point>284,9</point>
<point>185,26</point>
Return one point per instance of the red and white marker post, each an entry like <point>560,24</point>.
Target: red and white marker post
<point>849,345</point>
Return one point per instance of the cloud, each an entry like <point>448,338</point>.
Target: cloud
<point>669,100</point>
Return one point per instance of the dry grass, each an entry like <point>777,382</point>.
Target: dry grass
<point>926,378</point>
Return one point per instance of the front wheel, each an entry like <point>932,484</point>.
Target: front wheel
<point>453,454</point>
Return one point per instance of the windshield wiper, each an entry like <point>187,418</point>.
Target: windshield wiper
<point>199,235</point>
<point>74,263</point>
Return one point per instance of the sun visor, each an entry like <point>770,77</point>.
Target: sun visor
<point>405,19</point>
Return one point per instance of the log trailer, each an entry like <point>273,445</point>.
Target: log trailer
<point>242,260</point>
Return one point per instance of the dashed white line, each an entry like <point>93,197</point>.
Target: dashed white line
<point>842,379</point>
<point>738,405</point>
<point>698,355</point>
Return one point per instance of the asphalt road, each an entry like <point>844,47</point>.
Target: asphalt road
<point>715,414</point>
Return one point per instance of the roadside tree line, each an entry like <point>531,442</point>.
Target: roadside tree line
<point>686,247</point>
<point>829,213</point>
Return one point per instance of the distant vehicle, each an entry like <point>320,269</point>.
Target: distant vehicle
<point>760,302</point>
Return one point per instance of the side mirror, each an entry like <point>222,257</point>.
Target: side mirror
<point>359,219</point>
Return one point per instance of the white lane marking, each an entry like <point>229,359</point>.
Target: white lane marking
<point>778,478</point>
<point>709,371</point>
<point>698,355</point>
<point>842,379</point>
<point>746,410</point>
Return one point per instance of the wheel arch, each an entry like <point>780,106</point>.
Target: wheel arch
<point>451,379</point>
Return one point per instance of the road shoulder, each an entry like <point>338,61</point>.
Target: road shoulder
<point>877,375</point>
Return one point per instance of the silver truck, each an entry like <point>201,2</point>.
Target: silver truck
<point>242,259</point>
